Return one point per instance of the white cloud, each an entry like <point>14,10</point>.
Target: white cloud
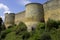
<point>7,12</point>
<point>24,2</point>
<point>2,17</point>
<point>6,9</point>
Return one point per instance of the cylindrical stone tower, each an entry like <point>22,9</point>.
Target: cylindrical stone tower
<point>34,15</point>
<point>9,19</point>
<point>52,10</point>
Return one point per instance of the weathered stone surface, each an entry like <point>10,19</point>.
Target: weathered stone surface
<point>35,13</point>
<point>9,19</point>
<point>19,17</point>
<point>51,10</point>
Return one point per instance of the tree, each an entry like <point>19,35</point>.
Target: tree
<point>1,24</point>
<point>21,28</point>
<point>0,27</point>
<point>52,24</point>
<point>45,36</point>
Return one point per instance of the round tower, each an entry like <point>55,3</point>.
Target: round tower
<point>34,14</point>
<point>9,19</point>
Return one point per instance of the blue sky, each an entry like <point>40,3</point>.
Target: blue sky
<point>15,6</point>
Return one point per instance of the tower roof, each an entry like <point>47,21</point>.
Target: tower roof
<point>33,3</point>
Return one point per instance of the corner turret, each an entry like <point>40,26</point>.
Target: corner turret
<point>9,19</point>
<point>34,14</point>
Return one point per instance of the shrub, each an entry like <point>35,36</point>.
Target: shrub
<point>52,24</point>
<point>21,28</point>
<point>1,21</point>
<point>7,31</point>
<point>26,36</point>
<point>40,26</point>
<point>35,35</point>
<point>45,36</point>
<point>11,36</point>
<point>4,33</point>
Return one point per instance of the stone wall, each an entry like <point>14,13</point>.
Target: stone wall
<point>19,17</point>
<point>51,10</point>
<point>34,11</point>
<point>34,14</point>
<point>9,19</point>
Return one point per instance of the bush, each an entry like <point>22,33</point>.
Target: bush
<point>45,36</point>
<point>26,36</point>
<point>7,31</point>
<point>40,26</point>
<point>21,28</point>
<point>1,21</point>
<point>4,33</point>
<point>35,35</point>
<point>52,24</point>
<point>19,32</point>
<point>10,36</point>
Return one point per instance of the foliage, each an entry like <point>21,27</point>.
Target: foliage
<point>45,36</point>
<point>21,28</point>
<point>52,24</point>
<point>16,32</point>
<point>1,24</point>
<point>7,31</point>
<point>53,29</point>
<point>19,32</point>
<point>35,35</point>
<point>10,36</point>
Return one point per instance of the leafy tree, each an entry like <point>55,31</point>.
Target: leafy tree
<point>0,27</point>
<point>22,31</point>
<point>18,32</point>
<point>7,31</point>
<point>21,28</point>
<point>52,24</point>
<point>1,24</point>
<point>35,35</point>
<point>45,36</point>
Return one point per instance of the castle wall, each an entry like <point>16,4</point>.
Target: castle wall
<point>34,11</point>
<point>51,10</point>
<point>9,19</point>
<point>19,17</point>
<point>34,14</point>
